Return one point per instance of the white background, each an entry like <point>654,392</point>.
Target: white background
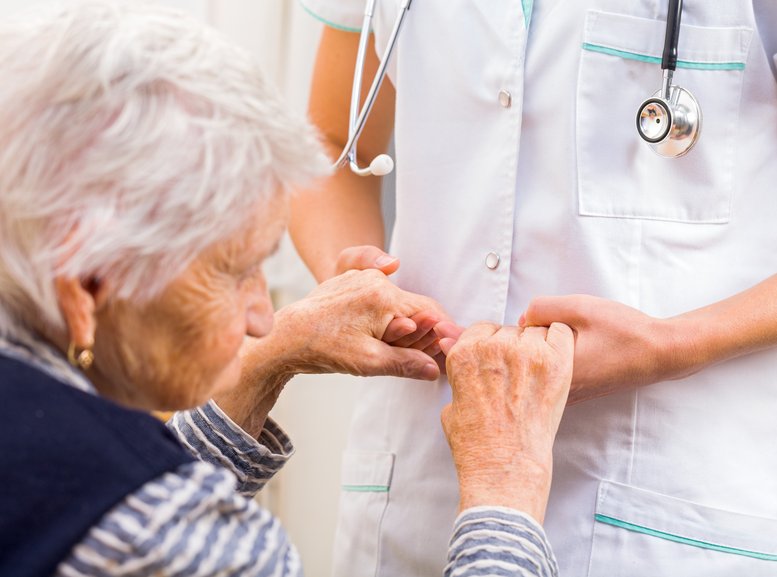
<point>314,410</point>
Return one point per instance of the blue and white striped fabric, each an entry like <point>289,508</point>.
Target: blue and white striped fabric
<point>201,521</point>
<point>498,541</point>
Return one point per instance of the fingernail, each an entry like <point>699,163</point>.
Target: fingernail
<point>431,370</point>
<point>384,260</point>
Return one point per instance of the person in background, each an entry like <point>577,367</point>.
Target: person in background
<point>145,170</point>
<point>523,191</point>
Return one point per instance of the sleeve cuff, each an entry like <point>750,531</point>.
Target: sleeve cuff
<point>500,534</point>
<point>213,437</point>
<point>346,15</point>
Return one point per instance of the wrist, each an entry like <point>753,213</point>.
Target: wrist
<point>265,370</point>
<point>688,345</point>
<point>523,485</point>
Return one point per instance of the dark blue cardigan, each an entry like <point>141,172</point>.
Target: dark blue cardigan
<point>66,458</point>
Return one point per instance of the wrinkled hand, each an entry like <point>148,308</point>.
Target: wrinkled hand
<point>617,347</point>
<point>509,388</point>
<point>341,326</point>
<point>415,331</point>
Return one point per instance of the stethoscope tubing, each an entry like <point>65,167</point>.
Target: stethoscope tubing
<point>671,40</point>
<point>358,116</point>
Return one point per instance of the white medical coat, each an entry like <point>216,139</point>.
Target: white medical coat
<point>516,138</point>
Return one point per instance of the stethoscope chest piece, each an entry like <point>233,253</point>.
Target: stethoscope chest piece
<point>671,126</point>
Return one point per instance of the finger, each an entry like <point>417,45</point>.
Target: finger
<point>543,311</point>
<point>425,341</point>
<point>440,360</point>
<point>432,350</point>
<point>424,334</point>
<point>446,345</point>
<point>448,330</point>
<point>534,333</point>
<point>366,257</point>
<point>399,328</point>
<point>561,338</point>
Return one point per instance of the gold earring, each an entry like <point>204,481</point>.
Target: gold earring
<point>81,357</point>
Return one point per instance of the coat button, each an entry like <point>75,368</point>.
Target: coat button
<point>505,98</point>
<point>492,260</point>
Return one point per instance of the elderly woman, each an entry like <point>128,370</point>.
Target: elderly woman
<point>144,170</point>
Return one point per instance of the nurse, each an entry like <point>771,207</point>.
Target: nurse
<point>521,179</point>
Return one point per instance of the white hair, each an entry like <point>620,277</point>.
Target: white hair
<point>131,139</point>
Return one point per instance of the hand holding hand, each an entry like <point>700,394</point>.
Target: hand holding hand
<point>509,387</point>
<point>617,347</point>
<point>341,325</point>
<point>415,331</point>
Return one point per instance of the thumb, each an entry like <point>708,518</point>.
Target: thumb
<point>366,257</point>
<point>404,362</point>
<point>543,311</point>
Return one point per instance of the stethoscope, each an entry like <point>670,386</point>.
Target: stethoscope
<point>669,121</point>
<point>381,164</point>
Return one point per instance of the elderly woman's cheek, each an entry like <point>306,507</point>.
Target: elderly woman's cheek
<point>258,306</point>
<point>259,317</point>
<point>219,359</point>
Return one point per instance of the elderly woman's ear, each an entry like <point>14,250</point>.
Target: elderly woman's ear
<point>78,301</point>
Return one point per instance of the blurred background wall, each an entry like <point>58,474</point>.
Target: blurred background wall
<point>315,410</point>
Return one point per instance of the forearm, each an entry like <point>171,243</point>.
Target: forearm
<point>741,324</point>
<point>266,368</point>
<point>343,211</point>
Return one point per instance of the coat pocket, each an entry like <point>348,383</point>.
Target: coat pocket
<point>366,480</point>
<point>619,175</point>
<point>640,533</point>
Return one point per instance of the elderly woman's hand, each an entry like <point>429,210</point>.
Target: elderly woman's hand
<point>340,327</point>
<point>337,328</point>
<point>416,331</point>
<point>510,386</point>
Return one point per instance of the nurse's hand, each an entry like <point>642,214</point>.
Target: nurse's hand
<point>510,387</point>
<point>416,331</point>
<point>617,347</point>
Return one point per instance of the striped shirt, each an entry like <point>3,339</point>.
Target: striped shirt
<point>201,520</point>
